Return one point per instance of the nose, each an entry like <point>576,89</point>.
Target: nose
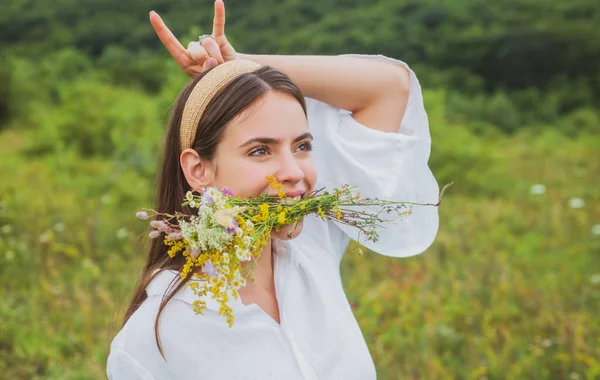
<point>290,170</point>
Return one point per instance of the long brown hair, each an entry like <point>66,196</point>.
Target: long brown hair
<point>229,102</point>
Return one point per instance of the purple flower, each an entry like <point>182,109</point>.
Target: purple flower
<point>141,215</point>
<point>210,269</point>
<point>206,198</point>
<point>227,191</point>
<point>231,230</point>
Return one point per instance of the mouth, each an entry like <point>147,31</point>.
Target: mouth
<point>291,196</point>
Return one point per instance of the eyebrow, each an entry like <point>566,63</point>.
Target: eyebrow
<point>272,141</point>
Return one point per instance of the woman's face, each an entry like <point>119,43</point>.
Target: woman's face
<point>270,138</point>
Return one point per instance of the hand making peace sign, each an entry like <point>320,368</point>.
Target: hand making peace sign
<point>198,58</point>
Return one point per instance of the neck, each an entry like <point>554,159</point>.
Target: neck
<point>262,272</point>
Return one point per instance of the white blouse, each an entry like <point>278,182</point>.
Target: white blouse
<point>318,337</point>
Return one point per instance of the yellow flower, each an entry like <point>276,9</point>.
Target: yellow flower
<point>273,184</point>
<point>264,210</point>
<point>281,218</point>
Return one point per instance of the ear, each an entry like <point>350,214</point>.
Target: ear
<point>199,173</point>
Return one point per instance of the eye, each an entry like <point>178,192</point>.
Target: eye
<point>259,151</point>
<point>305,146</point>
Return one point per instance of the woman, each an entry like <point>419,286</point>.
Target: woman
<point>342,119</point>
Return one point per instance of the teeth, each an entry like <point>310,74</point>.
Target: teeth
<point>287,200</point>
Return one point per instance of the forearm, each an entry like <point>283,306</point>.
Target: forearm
<point>350,83</point>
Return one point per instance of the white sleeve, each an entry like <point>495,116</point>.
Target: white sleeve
<point>390,166</point>
<point>122,366</point>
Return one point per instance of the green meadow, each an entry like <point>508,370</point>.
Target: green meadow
<point>510,289</point>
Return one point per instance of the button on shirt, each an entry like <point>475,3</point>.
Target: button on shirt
<point>318,336</point>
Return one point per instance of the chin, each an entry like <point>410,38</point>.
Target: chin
<point>287,232</point>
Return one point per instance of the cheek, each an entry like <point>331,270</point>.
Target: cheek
<point>244,177</point>
<point>310,173</point>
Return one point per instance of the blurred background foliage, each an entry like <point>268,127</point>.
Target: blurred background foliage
<point>509,290</point>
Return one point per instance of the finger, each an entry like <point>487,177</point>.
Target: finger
<point>209,64</point>
<point>169,40</point>
<point>197,52</point>
<point>212,63</point>
<point>219,20</point>
<point>213,49</point>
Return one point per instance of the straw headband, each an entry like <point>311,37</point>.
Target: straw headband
<point>203,92</point>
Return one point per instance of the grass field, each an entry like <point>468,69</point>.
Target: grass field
<point>509,290</point>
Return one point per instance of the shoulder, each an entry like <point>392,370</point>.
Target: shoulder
<point>137,337</point>
<point>135,347</point>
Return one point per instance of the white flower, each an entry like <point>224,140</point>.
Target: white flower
<point>213,192</point>
<point>596,229</point>
<point>239,253</point>
<point>225,218</point>
<point>237,276</point>
<point>537,189</point>
<point>122,233</point>
<point>247,240</point>
<point>46,236</point>
<point>225,258</point>
<point>247,256</point>
<point>576,203</point>
<point>249,225</point>
<point>189,196</point>
<point>239,232</point>
<point>238,282</point>
<point>546,343</point>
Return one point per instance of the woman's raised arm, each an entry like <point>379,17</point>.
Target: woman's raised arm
<point>375,92</point>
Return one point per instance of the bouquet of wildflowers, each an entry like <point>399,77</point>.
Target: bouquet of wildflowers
<point>228,231</point>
